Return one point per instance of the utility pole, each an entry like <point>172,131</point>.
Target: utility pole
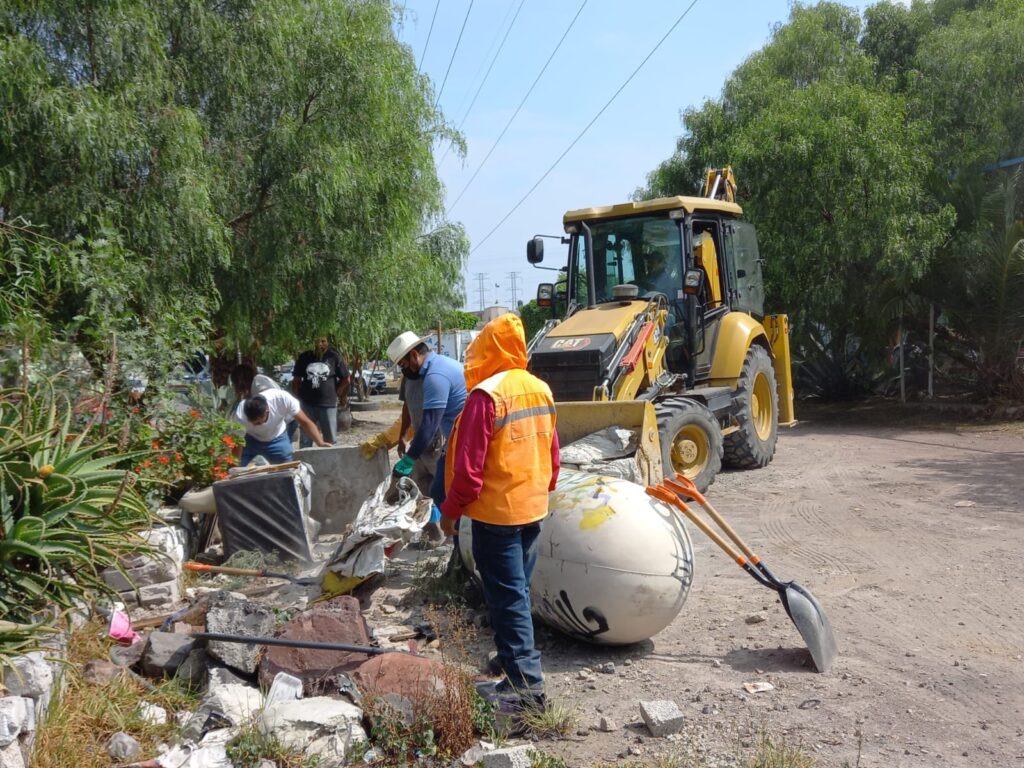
<point>514,277</point>
<point>481,278</point>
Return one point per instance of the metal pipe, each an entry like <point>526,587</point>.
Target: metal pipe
<point>283,641</point>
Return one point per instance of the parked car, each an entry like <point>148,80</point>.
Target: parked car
<point>376,381</point>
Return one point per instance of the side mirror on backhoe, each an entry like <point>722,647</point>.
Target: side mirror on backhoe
<point>545,294</point>
<point>693,281</point>
<point>535,251</point>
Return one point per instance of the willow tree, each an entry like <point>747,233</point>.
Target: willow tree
<point>259,170</point>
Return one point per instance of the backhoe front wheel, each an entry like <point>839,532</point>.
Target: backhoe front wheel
<point>753,445</point>
<point>691,442</point>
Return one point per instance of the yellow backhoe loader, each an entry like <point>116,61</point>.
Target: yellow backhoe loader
<point>658,326</point>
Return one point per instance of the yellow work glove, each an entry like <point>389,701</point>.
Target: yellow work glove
<point>375,443</point>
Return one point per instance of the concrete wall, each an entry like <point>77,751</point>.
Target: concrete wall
<point>342,481</point>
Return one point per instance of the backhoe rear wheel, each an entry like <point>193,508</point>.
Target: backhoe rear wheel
<point>691,442</point>
<point>753,445</point>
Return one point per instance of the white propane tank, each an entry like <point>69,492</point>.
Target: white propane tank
<point>614,565</point>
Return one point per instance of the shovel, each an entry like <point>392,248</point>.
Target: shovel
<point>259,572</point>
<point>801,606</point>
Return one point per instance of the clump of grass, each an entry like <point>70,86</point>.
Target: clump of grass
<point>78,727</point>
<point>399,740</point>
<point>443,582</point>
<point>557,719</point>
<point>771,753</point>
<point>251,747</point>
<point>542,760</point>
<point>445,721</point>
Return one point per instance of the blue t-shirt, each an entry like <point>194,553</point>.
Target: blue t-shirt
<point>444,386</point>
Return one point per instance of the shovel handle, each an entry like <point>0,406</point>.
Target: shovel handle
<point>664,494</point>
<point>684,485</point>
<point>204,568</point>
<point>670,498</point>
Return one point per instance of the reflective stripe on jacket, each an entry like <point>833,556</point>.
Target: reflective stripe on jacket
<point>518,466</point>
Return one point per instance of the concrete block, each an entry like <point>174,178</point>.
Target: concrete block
<point>17,716</point>
<point>11,756</point>
<point>325,727</point>
<point>231,616</point>
<point>153,595</point>
<point>165,652</point>
<point>155,571</point>
<point>170,540</point>
<point>29,675</point>
<point>342,480</point>
<point>662,717</point>
<point>510,757</point>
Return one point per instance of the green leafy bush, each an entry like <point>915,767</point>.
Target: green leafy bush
<point>66,511</point>
<point>185,446</point>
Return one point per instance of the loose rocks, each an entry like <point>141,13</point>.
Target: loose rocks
<point>341,622</point>
<point>512,757</point>
<point>123,748</point>
<point>320,726</point>
<point>165,652</point>
<point>661,717</point>
<point>413,677</point>
<point>233,616</point>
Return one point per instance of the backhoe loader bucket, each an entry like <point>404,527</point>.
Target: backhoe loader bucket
<point>579,419</point>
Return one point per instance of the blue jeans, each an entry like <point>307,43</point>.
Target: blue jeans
<point>437,484</point>
<point>505,556</point>
<point>325,418</point>
<point>276,451</point>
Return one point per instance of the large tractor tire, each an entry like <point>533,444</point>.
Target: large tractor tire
<point>691,442</point>
<point>752,446</point>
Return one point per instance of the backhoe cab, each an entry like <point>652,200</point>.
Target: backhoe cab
<point>660,310</point>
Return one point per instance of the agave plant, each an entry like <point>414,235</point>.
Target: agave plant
<point>66,511</point>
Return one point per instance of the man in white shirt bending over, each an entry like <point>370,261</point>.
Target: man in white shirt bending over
<point>265,417</point>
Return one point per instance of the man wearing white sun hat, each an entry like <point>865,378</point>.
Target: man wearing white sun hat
<point>434,394</point>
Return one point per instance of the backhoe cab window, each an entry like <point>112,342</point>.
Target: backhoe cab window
<point>644,252</point>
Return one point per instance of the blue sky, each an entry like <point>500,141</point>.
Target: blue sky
<point>607,42</point>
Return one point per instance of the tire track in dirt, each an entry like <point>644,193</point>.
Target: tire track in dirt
<point>774,523</point>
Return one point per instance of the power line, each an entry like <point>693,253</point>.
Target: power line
<point>503,130</point>
<point>586,128</point>
<point>487,74</point>
<point>430,31</point>
<point>452,59</point>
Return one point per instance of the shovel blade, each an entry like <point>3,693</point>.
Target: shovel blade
<point>812,624</point>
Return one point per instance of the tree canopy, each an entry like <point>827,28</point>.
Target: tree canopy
<point>855,142</point>
<point>261,172</point>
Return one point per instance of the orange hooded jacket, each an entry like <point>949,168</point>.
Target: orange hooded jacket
<point>519,464</point>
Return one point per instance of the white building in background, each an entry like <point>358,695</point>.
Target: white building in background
<point>453,343</point>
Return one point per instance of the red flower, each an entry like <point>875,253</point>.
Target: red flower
<point>228,440</point>
<point>155,445</point>
<point>147,464</point>
<point>194,413</point>
<point>177,456</point>
<point>164,460</point>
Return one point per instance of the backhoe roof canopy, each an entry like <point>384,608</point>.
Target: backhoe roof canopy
<point>688,204</point>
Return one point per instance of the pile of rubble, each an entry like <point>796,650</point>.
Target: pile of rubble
<point>314,697</point>
<point>292,690</point>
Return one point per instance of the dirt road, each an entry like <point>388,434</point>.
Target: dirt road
<point>910,536</point>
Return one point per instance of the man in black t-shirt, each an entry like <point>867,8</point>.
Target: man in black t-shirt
<point>319,379</point>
